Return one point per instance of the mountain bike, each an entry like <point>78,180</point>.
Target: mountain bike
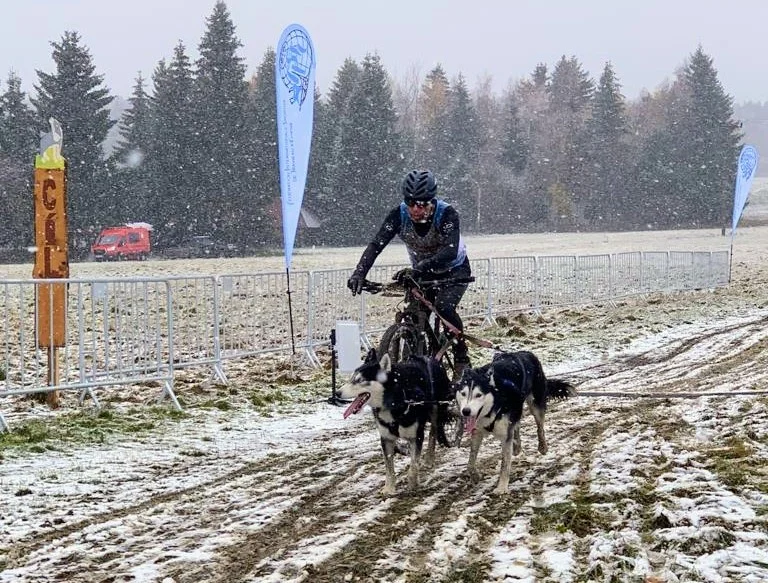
<point>418,331</point>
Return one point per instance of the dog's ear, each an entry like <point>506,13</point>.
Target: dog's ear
<point>386,366</point>
<point>371,357</point>
<point>489,374</point>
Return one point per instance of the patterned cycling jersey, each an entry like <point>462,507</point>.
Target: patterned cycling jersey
<point>435,247</point>
<point>422,248</point>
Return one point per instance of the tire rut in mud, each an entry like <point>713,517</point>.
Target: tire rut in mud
<point>22,549</point>
<point>660,354</point>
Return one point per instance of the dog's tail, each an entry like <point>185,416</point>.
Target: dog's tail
<point>557,389</point>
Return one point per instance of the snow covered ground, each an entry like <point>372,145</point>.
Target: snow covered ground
<point>263,480</point>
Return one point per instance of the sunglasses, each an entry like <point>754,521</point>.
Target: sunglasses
<point>419,203</point>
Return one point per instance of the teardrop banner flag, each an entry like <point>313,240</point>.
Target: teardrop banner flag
<point>295,85</point>
<point>745,172</point>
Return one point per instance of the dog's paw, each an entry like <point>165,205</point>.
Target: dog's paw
<point>516,449</point>
<point>474,476</point>
<point>543,448</point>
<point>499,491</point>
<point>427,461</point>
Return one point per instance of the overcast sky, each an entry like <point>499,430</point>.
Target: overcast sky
<point>646,40</point>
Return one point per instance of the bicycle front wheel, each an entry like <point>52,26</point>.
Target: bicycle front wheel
<point>400,342</point>
<point>454,425</point>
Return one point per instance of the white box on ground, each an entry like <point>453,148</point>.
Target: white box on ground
<point>348,345</point>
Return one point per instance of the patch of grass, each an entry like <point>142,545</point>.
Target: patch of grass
<point>265,398</point>
<point>220,404</point>
<point>41,435</point>
<point>731,462</point>
<point>578,516</point>
<point>707,542</point>
<point>473,573</point>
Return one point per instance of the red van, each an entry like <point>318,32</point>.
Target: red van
<point>129,241</point>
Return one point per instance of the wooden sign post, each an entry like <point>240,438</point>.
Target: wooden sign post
<point>51,256</point>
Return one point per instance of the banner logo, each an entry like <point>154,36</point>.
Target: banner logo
<point>296,63</point>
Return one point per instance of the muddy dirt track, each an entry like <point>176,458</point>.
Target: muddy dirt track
<point>632,488</point>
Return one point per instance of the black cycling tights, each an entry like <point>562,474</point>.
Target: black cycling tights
<point>446,300</point>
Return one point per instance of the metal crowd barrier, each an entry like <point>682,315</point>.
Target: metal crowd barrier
<point>116,332</point>
<point>134,331</point>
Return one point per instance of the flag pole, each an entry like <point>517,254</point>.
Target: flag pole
<point>730,260</point>
<point>290,308</point>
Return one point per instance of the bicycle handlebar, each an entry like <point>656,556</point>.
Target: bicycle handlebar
<point>375,287</point>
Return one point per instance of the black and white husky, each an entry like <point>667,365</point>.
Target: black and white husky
<point>403,397</point>
<point>491,400</point>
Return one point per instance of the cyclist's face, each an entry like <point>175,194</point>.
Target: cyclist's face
<point>420,212</point>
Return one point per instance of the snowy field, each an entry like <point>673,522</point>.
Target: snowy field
<point>262,480</point>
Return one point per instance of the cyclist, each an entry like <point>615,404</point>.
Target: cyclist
<point>429,227</point>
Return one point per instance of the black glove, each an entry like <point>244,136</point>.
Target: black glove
<point>355,283</point>
<point>407,275</point>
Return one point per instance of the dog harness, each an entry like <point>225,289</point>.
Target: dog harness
<point>507,383</point>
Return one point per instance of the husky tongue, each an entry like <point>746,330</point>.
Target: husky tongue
<point>469,425</point>
<point>357,404</point>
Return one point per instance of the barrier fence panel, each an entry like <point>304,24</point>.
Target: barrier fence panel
<point>593,278</point>
<point>476,302</point>
<point>194,317</point>
<point>655,271</point>
<point>557,281</point>
<point>513,280</point>
<point>720,263</point>
<point>254,316</point>
<point>116,332</point>
<point>681,270</point>
<point>701,263</point>
<point>627,274</point>
<point>330,300</point>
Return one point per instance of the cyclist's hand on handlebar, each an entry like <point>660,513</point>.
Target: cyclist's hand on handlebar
<point>407,275</point>
<point>355,283</point>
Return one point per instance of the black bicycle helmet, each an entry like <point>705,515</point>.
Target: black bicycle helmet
<point>419,185</point>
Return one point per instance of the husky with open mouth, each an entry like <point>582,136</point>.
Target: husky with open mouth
<point>491,397</point>
<point>404,397</point>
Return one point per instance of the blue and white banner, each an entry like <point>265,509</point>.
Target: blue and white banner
<point>744,175</point>
<point>295,85</point>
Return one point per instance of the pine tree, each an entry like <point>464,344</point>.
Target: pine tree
<point>130,154</point>
<point>262,219</point>
<point>459,178</point>
<point>74,96</point>
<point>433,135</point>
<point>529,202</point>
<point>343,88</point>
<point>221,102</point>
<point>711,142</point>
<point>368,160</point>
<point>18,126</point>
<point>492,182</point>
<point>570,92</point>
<point>317,196</point>
<point>515,145</point>
<point>605,171</point>
<point>174,151</point>
<point>18,144</point>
